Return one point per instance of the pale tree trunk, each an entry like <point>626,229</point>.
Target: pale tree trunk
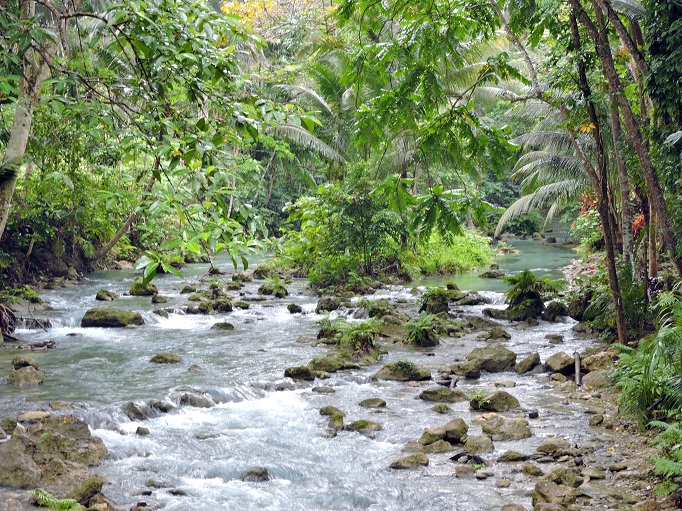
<point>653,245</point>
<point>35,72</point>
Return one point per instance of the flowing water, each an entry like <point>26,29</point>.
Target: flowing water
<point>193,457</point>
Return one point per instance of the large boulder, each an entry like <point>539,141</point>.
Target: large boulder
<point>494,359</point>
<point>403,371</point>
<point>435,300</point>
<point>528,364</point>
<point>553,446</point>
<point>104,295</point>
<point>561,363</point>
<point>597,380</point>
<point>53,453</point>
<point>455,430</point>
<point>443,395</point>
<point>19,362</point>
<point>468,368</point>
<point>478,444</point>
<point>300,373</point>
<point>139,288</point>
<point>327,304</point>
<point>26,377</point>
<point>503,428</point>
<point>109,317</point>
<point>597,362</point>
<point>498,401</point>
<point>555,310</point>
<point>552,493</point>
<point>578,305</point>
<point>255,475</point>
<point>418,459</point>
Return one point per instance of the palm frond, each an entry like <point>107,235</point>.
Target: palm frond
<point>630,8</point>
<point>302,137</point>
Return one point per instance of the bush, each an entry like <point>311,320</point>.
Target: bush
<point>424,331</point>
<point>464,253</point>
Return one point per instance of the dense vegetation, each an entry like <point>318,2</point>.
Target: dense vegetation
<point>360,140</point>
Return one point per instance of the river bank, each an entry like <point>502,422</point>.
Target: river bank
<point>254,416</point>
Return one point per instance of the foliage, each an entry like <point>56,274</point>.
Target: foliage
<point>525,283</point>
<point>359,336</point>
<point>26,292</point>
<point>649,376</point>
<point>404,366</point>
<point>463,253</point>
<point>669,465</point>
<point>45,499</point>
<point>479,398</point>
<point>588,231</point>
<point>525,224</point>
<point>423,331</point>
<point>636,307</point>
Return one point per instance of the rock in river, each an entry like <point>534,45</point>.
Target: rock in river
<point>443,395</point>
<point>418,459</point>
<point>110,317</point>
<point>494,359</point>
<point>403,371</point>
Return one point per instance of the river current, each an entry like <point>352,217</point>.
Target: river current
<point>193,457</point>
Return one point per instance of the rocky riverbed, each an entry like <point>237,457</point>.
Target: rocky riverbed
<point>475,428</point>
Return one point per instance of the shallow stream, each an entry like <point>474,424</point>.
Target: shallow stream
<point>193,457</point>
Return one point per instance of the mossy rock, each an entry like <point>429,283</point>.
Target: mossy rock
<point>494,359</point>
<point>331,364</point>
<point>327,304</point>
<point>233,286</point>
<point>222,305</point>
<point>205,307</point>
<point>441,408</point>
<point>109,317</point>
<point>443,395</point>
<point>300,373</point>
<point>242,277</point>
<point>166,358</point>
<point>528,364</point>
<point>19,362</point>
<point>478,444</point>
<point>276,290</point>
<point>294,308</point>
<point>104,295</point>
<point>159,299</point>
<point>373,402</point>
<point>140,289</point>
<point>222,325</point>
<point>468,369</point>
<point>200,296</point>
<point>555,310</point>
<point>241,305</point>
<point>331,410</point>
<point>435,301</point>
<point>188,290</point>
<point>87,490</point>
<point>364,426</point>
<point>418,459</point>
<point>403,371</point>
<point>336,422</point>
<point>8,424</point>
<point>498,401</point>
<point>26,377</point>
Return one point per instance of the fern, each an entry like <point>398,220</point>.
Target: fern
<point>45,499</point>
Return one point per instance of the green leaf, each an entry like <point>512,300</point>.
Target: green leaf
<point>149,273</point>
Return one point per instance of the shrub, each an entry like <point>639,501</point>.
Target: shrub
<point>424,331</point>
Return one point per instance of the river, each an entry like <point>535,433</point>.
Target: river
<point>193,457</point>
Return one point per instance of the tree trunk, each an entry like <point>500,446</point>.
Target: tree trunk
<point>653,246</point>
<point>624,184</point>
<point>657,198</point>
<point>36,71</point>
<point>599,179</point>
